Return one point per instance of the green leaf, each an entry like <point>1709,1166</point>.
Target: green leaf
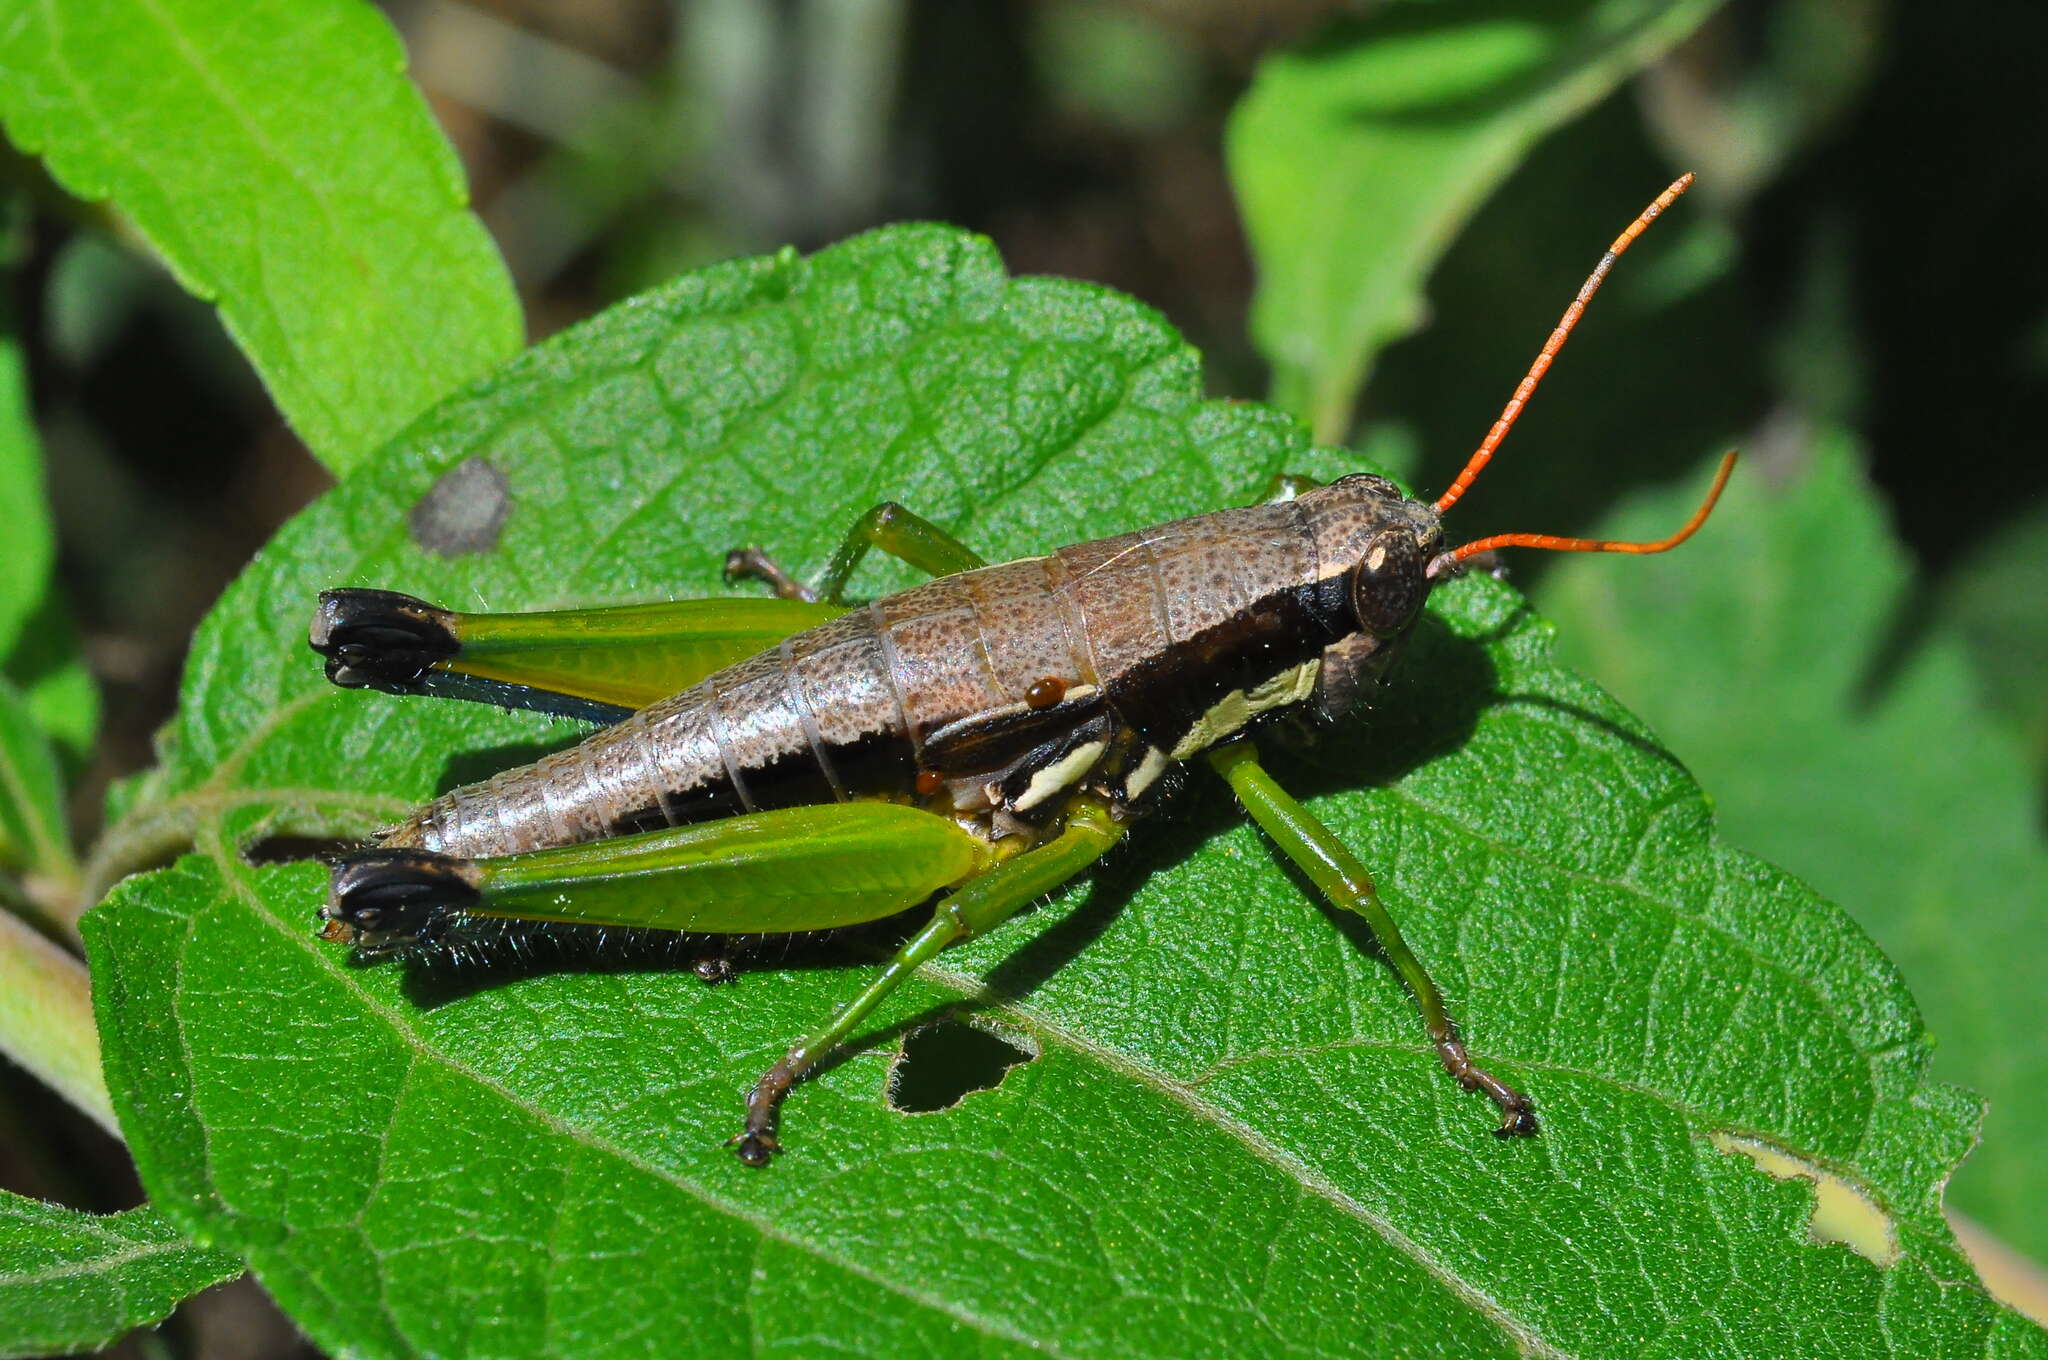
<point>38,646</point>
<point>32,829</point>
<point>71,1281</point>
<point>1992,605</point>
<point>57,684</point>
<point>1357,158</point>
<point>1773,656</point>
<point>27,548</point>
<point>274,154</point>
<point>1232,1138</point>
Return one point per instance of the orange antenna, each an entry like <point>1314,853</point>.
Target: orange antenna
<point>1445,561</point>
<point>1527,387</point>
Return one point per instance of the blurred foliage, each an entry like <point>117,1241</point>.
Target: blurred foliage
<point>1860,256</point>
<point>1357,159</point>
<point>1992,603</point>
<point>28,550</point>
<point>1869,763</point>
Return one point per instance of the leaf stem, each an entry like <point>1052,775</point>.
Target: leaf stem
<point>46,1022</point>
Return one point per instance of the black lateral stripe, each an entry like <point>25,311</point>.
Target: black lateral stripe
<point>1018,782</point>
<point>879,763</point>
<point>992,740</point>
<point>1163,696</point>
<point>875,763</point>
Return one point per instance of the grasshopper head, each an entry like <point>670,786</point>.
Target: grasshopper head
<point>1388,540</point>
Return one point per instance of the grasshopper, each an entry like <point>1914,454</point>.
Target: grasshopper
<point>802,763</point>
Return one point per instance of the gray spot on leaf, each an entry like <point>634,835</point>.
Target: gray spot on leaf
<point>464,511</point>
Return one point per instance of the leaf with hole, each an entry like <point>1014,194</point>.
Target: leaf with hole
<point>1233,1137</point>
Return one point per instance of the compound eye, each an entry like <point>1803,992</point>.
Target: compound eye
<point>1390,585</point>
<point>367,918</point>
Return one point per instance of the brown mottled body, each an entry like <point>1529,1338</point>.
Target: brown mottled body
<point>1150,647</point>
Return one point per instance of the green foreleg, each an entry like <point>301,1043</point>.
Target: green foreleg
<point>1339,876</point>
<point>901,533</point>
<point>969,910</point>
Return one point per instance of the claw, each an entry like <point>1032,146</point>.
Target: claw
<point>756,1144</point>
<point>755,1149</point>
<point>1517,1120</point>
<point>1517,1111</point>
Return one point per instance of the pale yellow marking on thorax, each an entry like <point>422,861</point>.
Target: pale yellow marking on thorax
<point>1067,770</point>
<point>1239,707</point>
<point>1149,769</point>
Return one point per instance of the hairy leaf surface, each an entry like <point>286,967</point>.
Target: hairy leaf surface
<point>1232,1138</point>
<point>71,1281</point>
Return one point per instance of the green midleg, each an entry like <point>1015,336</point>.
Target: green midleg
<point>978,906</point>
<point>1339,876</point>
<point>903,534</point>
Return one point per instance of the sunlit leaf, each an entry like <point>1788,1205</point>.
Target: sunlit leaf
<point>1770,655</point>
<point>274,154</point>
